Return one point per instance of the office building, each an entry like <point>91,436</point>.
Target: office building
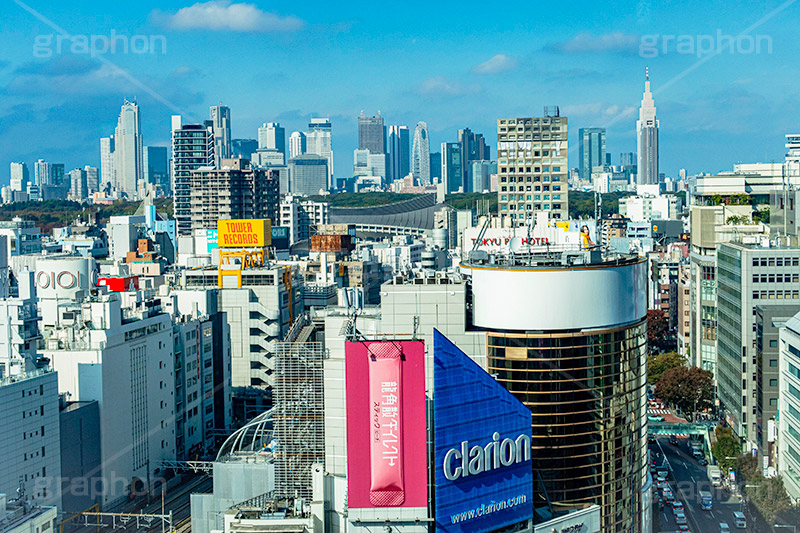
<point>30,446</point>
<point>106,160</point>
<point>473,148</point>
<point>548,341</point>
<point>749,274</point>
<point>300,215</point>
<point>42,171</point>
<point>398,141</point>
<point>789,407</point>
<point>647,207</point>
<point>452,169</point>
<point>243,148</point>
<point>19,177</point>
<point>371,134</point>
<point>308,174</point>
<point>532,167</point>
<point>591,150</point>
<point>78,187</point>
<point>297,144</point>
<point>647,138</point>
<point>479,175</point>
<point>157,167</point>
<point>92,180</point>
<point>57,174</point>
<point>233,191</point>
<point>192,148</point>
<point>128,152</point>
<point>272,136</point>
<point>221,126</point>
<point>421,155</point>
<point>435,167</point>
<point>319,142</point>
<point>769,320</point>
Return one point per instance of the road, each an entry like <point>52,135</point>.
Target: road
<point>686,478</point>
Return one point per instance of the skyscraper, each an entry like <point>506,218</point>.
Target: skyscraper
<point>156,169</point>
<point>221,122</point>
<point>128,158</point>
<point>297,144</point>
<point>591,150</point>
<point>272,136</point>
<point>452,169</point>
<point>371,134</point>
<point>106,159</point>
<point>647,138</point>
<point>318,141</point>
<point>19,177</point>
<point>78,188</point>
<point>473,148</point>
<point>308,174</point>
<point>57,173</point>
<point>243,148</point>
<point>532,172</point>
<point>192,148</point>
<point>398,141</point>
<point>421,155</point>
<point>435,166</point>
<point>43,172</point>
<point>92,180</point>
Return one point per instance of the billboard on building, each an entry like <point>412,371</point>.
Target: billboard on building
<point>386,424</point>
<point>482,436</point>
<point>254,233</point>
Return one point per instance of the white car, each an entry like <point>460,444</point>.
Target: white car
<point>677,507</point>
<point>680,518</point>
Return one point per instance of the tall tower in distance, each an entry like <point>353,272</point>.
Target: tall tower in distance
<point>421,155</point>
<point>297,144</point>
<point>371,134</point>
<point>221,122</point>
<point>128,157</point>
<point>647,138</point>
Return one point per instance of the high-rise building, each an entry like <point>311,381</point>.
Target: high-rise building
<point>78,188</point>
<point>297,144</point>
<point>156,167</point>
<point>106,159</point>
<point>371,134</point>
<point>243,148</point>
<point>647,138</point>
<point>92,180</point>
<point>578,360</point>
<point>532,166</point>
<point>421,155</point>
<point>19,177</point>
<point>452,169</point>
<point>435,166</point>
<point>57,174</point>
<point>271,136</point>
<point>128,157</point>
<point>308,174</point>
<point>234,191</point>
<point>473,148</point>
<point>192,148</point>
<point>398,141</point>
<point>748,275</point>
<point>479,175</point>
<point>221,124</point>
<point>591,150</point>
<point>319,142</point>
<point>42,172</point>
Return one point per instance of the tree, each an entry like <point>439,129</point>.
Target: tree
<point>688,388</point>
<point>737,220</point>
<point>726,449</point>
<point>656,327</point>
<point>658,364</point>
<point>769,496</point>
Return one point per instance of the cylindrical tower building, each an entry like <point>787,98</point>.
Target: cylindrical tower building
<point>567,335</point>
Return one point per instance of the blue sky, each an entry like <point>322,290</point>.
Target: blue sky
<point>452,66</point>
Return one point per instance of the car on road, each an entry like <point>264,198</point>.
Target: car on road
<point>677,507</point>
<point>673,440</point>
<point>683,528</point>
<point>723,528</point>
<point>680,518</point>
<point>702,461</point>
<point>667,494</point>
<point>662,485</point>
<point>655,418</point>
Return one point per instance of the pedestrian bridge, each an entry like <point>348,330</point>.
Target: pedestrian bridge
<point>676,428</point>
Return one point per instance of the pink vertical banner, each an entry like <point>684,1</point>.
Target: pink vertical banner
<point>386,424</point>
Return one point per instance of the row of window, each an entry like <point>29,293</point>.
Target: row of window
<point>529,207</point>
<point>776,278</point>
<point>529,197</point>
<point>506,170</point>
<point>776,261</point>
<point>772,295</point>
<point>529,179</point>
<point>522,188</point>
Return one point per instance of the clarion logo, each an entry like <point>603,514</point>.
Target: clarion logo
<point>475,460</point>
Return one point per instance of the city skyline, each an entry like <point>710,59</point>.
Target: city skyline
<point>474,89</point>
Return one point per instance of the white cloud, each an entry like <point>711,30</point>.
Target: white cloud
<point>586,43</point>
<point>440,86</point>
<point>495,65</point>
<point>222,15</point>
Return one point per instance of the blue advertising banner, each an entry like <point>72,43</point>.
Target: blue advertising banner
<point>482,442</point>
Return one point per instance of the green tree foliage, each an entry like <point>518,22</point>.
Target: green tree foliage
<point>362,199</point>
<point>726,446</point>
<point>736,220</point>
<point>57,213</point>
<point>656,329</point>
<point>658,364</point>
<point>581,204</point>
<point>469,200</point>
<point>686,387</point>
<point>761,216</point>
<point>768,495</point>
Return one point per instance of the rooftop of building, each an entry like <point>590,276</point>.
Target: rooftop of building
<point>25,376</point>
<point>549,257</point>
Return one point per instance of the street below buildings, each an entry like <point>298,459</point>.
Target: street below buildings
<point>686,478</point>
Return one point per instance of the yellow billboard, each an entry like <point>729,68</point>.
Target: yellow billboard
<point>255,233</point>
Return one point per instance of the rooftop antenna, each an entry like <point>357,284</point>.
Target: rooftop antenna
<point>647,73</point>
